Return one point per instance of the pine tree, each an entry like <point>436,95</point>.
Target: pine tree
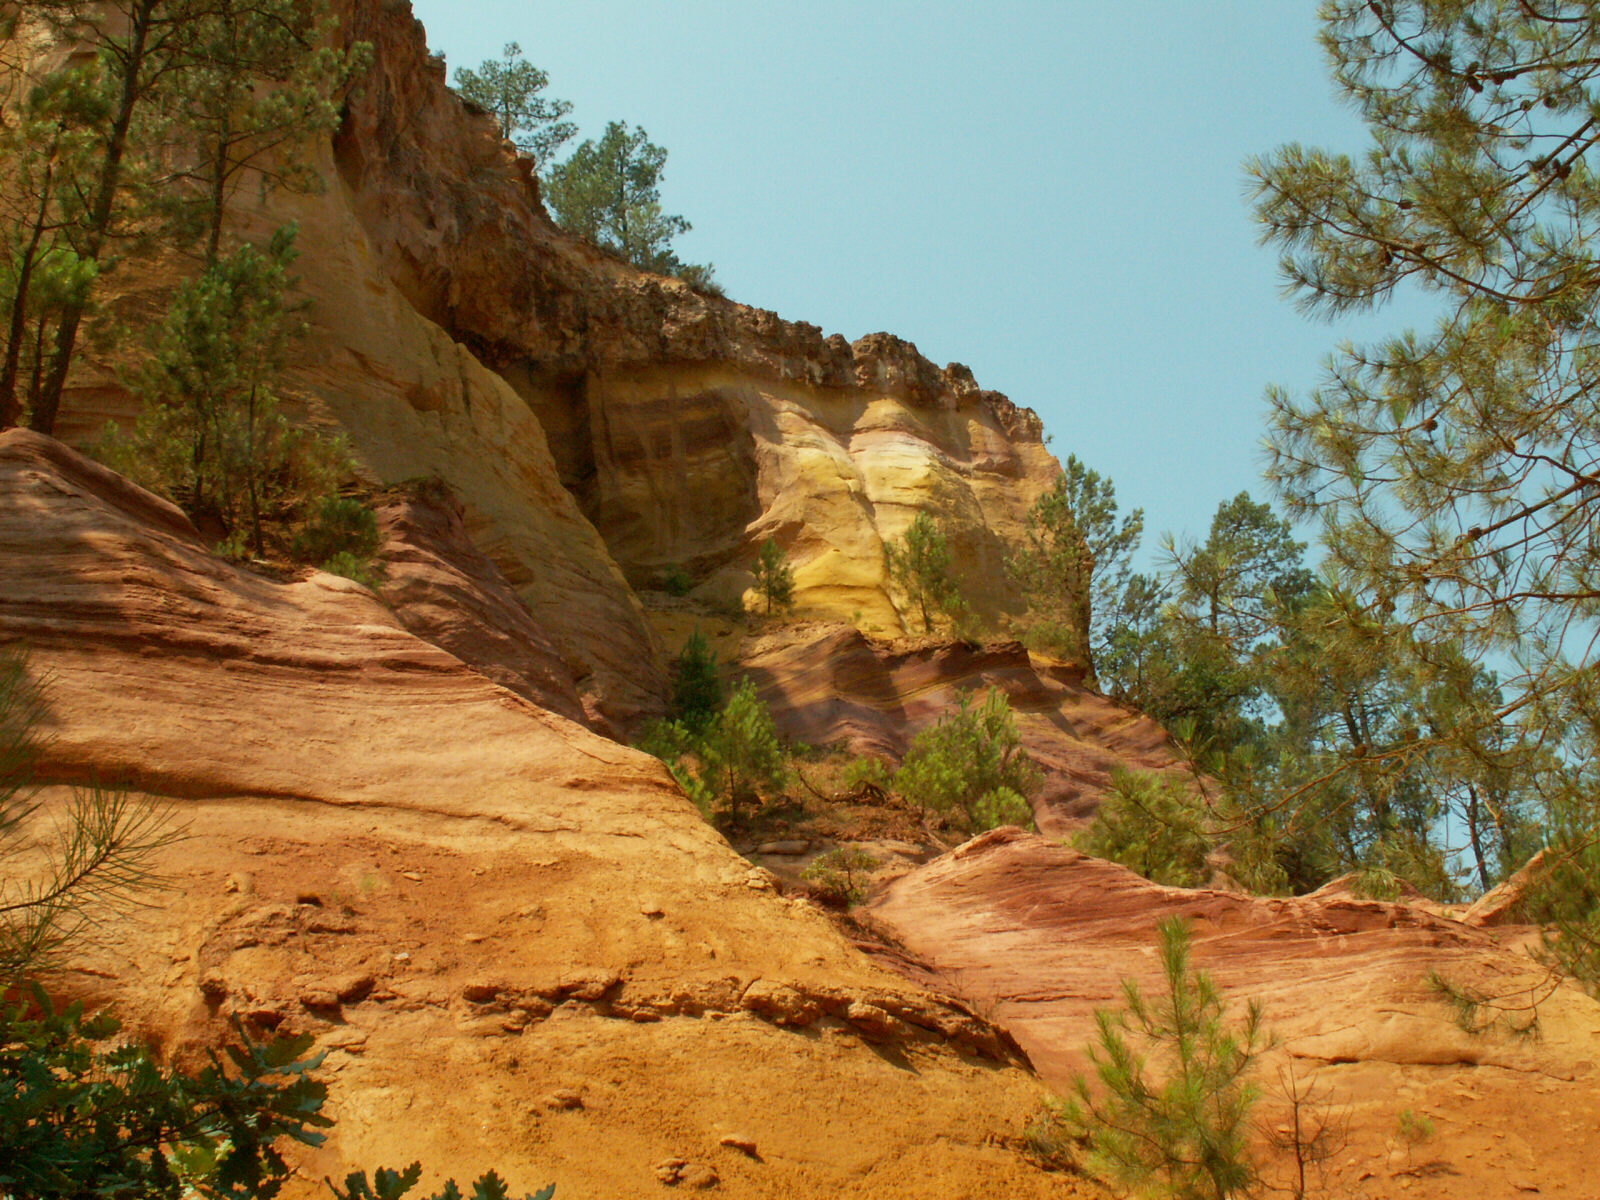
<point>610,193</point>
<point>918,565</point>
<point>261,77</point>
<point>139,48</point>
<point>210,434</point>
<point>774,576</point>
<point>104,853</point>
<point>1074,561</point>
<point>696,686</point>
<point>48,144</point>
<point>971,765</point>
<point>1452,468</point>
<point>508,90</point>
<point>743,756</point>
<point>1173,1107</point>
<point>100,151</point>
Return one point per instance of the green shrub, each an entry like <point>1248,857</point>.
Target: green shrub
<point>338,525</point>
<point>696,687</point>
<point>962,765</point>
<point>79,1120</point>
<point>342,537</point>
<point>674,743</point>
<point>364,571</point>
<point>1053,639</point>
<point>1564,892</point>
<point>1152,824</point>
<point>1172,1113</point>
<point>81,1115</point>
<point>841,876</point>
<point>676,581</point>
<point>392,1185</point>
<point>1001,806</point>
<point>744,758</point>
<point>733,758</point>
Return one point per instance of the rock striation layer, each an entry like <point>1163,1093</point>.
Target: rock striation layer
<point>520,945</point>
<point>1038,936</point>
<point>828,684</point>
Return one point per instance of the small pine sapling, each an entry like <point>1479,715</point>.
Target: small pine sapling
<point>774,577</point>
<point>1172,1111</point>
<point>744,758</point>
<point>842,875</point>
<point>918,564</point>
<point>696,687</point>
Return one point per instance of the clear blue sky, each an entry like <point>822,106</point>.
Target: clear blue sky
<point>1050,192</point>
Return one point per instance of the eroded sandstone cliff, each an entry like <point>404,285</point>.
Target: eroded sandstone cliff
<point>602,424</point>
<point>521,946</point>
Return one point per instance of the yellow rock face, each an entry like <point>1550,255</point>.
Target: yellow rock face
<point>695,466</point>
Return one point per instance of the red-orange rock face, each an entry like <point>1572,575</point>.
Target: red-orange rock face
<point>828,684</point>
<point>1038,936</point>
<point>479,908</point>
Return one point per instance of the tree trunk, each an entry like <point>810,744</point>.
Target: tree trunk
<point>140,19</point>
<point>1475,834</point>
<point>219,165</point>
<point>10,406</point>
<point>250,468</point>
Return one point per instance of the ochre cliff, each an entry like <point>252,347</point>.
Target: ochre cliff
<point>689,427</point>
<point>593,417</point>
<point>519,943</point>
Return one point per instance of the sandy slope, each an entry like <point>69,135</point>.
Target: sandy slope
<point>473,903</point>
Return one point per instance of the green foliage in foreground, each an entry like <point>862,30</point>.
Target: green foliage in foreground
<point>77,1120</point>
<point>392,1185</point>
<point>971,766</point>
<point>80,1119</point>
<point>81,1114</point>
<point>1171,1116</point>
